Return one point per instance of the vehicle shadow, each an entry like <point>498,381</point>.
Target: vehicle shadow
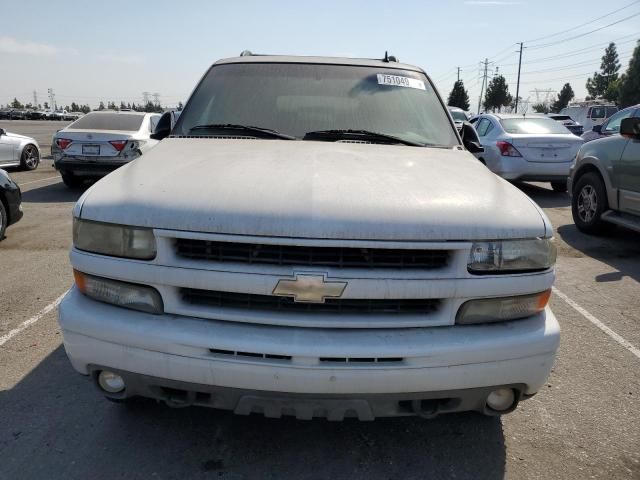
<point>53,193</point>
<point>545,197</point>
<point>56,424</point>
<point>620,249</point>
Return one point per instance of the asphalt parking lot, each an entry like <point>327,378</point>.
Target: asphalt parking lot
<point>585,423</point>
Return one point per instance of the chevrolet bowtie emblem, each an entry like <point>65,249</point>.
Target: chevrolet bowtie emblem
<point>309,288</point>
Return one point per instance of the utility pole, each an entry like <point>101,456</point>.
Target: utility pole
<point>35,99</point>
<point>458,73</point>
<point>145,98</point>
<point>484,81</point>
<point>52,99</point>
<point>156,99</point>
<point>518,84</point>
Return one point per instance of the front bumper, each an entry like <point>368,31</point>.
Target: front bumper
<point>170,351</point>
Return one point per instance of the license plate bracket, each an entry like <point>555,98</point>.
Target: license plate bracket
<point>91,149</point>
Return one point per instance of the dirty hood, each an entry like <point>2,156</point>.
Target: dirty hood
<point>310,189</point>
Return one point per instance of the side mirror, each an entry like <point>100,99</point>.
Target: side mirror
<point>470,138</point>
<point>160,133</point>
<point>630,127</point>
<point>597,128</point>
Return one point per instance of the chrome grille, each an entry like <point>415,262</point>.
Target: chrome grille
<point>341,257</point>
<point>247,301</point>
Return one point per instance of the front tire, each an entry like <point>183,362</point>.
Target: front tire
<point>3,220</point>
<point>559,186</point>
<point>30,158</point>
<point>588,203</point>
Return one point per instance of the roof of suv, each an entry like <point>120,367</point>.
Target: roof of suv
<point>360,62</point>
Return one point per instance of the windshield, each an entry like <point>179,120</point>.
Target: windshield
<point>533,125</point>
<point>109,121</point>
<point>295,99</point>
<point>458,116</point>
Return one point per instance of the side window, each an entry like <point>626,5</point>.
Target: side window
<point>613,124</point>
<point>483,127</point>
<point>596,112</point>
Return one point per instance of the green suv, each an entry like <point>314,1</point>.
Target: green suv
<point>605,181</point>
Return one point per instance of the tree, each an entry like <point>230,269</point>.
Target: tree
<point>75,107</point>
<point>122,106</point>
<point>112,106</point>
<point>46,105</point>
<point>101,106</point>
<point>16,103</point>
<point>540,108</point>
<point>497,94</point>
<point>598,85</point>
<point>457,98</point>
<point>629,84</point>
<point>564,97</point>
<point>85,108</point>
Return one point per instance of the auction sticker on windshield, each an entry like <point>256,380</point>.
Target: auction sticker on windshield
<point>398,81</point>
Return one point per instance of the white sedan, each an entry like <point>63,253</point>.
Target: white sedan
<point>530,148</point>
<point>18,151</point>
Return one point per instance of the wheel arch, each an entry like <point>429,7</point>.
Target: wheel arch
<point>591,166</point>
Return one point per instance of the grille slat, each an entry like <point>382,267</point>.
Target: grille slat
<point>341,257</point>
<point>247,301</point>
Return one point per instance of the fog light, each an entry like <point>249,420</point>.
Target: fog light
<point>110,382</point>
<point>501,399</point>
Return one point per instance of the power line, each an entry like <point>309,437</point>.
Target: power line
<point>583,24</point>
<point>544,45</point>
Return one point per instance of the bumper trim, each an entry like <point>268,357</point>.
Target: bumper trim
<point>306,406</point>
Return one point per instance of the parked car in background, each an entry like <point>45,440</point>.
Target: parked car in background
<point>570,124</point>
<point>612,125</point>
<point>589,114</point>
<point>18,151</point>
<point>529,148</point>
<point>605,181</point>
<point>100,142</point>
<point>35,115</point>
<point>328,249</point>
<point>459,116</point>
<point>4,114</point>
<point>10,202</point>
<point>17,114</point>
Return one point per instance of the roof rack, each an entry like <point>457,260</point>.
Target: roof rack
<point>246,53</point>
<point>389,58</point>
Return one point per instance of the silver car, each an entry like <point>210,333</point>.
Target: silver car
<point>100,142</point>
<point>532,148</point>
<point>18,151</point>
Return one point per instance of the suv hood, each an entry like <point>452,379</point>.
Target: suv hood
<point>309,189</point>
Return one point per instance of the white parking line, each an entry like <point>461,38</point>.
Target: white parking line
<point>27,323</point>
<point>36,181</point>
<point>597,323</point>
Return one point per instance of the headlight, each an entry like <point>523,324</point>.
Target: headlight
<point>512,256</point>
<point>123,294</point>
<point>114,240</point>
<point>490,310</point>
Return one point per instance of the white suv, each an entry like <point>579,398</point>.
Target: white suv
<point>312,239</point>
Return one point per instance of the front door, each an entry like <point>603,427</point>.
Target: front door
<point>6,149</point>
<point>627,176</point>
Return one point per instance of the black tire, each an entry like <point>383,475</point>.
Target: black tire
<point>588,203</point>
<point>71,180</point>
<point>559,186</point>
<point>30,158</point>
<point>3,220</point>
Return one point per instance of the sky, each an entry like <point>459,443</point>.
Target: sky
<point>115,50</point>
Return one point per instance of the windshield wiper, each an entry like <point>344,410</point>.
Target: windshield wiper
<point>244,128</point>
<point>358,135</point>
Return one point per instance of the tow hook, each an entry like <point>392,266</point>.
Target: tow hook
<point>180,400</point>
<point>425,408</point>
